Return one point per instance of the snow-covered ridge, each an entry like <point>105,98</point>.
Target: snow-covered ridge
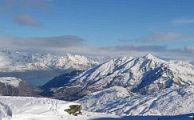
<point>143,74</point>
<point>23,61</point>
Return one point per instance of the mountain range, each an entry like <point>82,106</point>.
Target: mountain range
<point>123,86</point>
<point>38,68</point>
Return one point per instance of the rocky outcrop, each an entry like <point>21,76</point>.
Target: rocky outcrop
<point>10,86</point>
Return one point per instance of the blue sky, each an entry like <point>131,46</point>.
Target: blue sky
<point>111,24</point>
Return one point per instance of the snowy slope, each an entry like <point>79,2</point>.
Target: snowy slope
<point>165,102</point>
<point>5,112</point>
<point>29,108</point>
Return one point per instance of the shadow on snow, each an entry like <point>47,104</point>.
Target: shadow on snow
<point>176,117</point>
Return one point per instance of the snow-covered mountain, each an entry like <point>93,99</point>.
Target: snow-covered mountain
<point>38,68</point>
<point>134,86</point>
<point>10,86</point>
<point>142,75</point>
<point>124,86</point>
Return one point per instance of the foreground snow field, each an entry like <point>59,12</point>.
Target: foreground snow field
<point>29,108</point>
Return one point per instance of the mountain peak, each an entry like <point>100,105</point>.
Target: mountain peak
<point>150,56</point>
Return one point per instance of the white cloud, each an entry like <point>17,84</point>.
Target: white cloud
<point>18,10</point>
<point>54,42</point>
<point>163,36</point>
<point>189,48</point>
<point>26,19</point>
<point>184,21</point>
<point>166,36</point>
